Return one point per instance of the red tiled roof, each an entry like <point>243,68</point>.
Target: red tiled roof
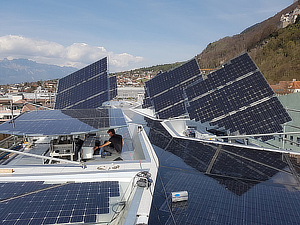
<point>294,85</point>
<point>284,84</point>
<point>276,87</point>
<point>29,107</point>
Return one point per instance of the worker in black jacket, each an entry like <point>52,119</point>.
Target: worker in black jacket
<point>114,144</point>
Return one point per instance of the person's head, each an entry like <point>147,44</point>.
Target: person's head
<point>111,132</point>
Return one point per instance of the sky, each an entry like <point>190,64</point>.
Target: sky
<point>131,33</point>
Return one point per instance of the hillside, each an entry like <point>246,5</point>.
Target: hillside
<point>279,58</point>
<point>274,50</point>
<point>152,69</point>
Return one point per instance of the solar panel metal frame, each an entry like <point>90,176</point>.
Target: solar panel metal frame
<point>113,87</point>
<point>146,101</point>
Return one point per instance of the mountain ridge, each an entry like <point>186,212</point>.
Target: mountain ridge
<point>24,70</point>
<point>273,49</point>
<point>257,40</point>
<point>254,40</point>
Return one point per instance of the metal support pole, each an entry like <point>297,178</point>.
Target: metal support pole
<point>283,137</point>
<point>43,157</point>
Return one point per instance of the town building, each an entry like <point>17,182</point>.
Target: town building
<point>289,18</point>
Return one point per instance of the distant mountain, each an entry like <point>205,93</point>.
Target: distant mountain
<point>23,70</point>
<point>275,50</point>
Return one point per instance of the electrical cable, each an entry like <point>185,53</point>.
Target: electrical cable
<point>122,201</point>
<point>166,198</point>
<point>154,205</point>
<point>165,149</point>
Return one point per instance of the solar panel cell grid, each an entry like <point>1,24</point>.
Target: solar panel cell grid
<point>165,90</point>
<point>59,122</point>
<point>76,202</point>
<point>82,85</point>
<point>220,100</point>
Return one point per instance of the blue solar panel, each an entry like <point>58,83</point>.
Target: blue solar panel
<point>210,204</point>
<point>225,184</point>
<point>13,189</point>
<point>69,203</point>
<point>236,97</point>
<point>63,122</point>
<point>85,88</point>
<point>83,74</point>
<point>165,90</point>
<point>93,91</point>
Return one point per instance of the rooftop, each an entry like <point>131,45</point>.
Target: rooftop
<point>91,190</point>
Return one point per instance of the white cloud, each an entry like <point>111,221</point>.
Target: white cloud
<point>77,54</point>
<point>124,59</point>
<point>84,53</point>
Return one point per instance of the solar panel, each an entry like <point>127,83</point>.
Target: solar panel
<point>225,184</point>
<point>85,88</point>
<point>210,204</point>
<point>63,122</point>
<point>236,97</point>
<point>165,90</point>
<point>68,203</point>
<point>12,189</point>
<point>113,88</point>
<point>226,161</point>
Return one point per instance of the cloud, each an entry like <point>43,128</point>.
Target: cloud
<point>120,60</point>
<point>21,46</point>
<point>77,54</point>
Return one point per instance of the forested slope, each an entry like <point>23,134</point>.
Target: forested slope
<point>274,50</point>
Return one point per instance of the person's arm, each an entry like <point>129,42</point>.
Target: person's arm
<point>105,144</point>
<point>122,141</point>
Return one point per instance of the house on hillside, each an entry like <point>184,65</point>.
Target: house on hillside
<point>294,86</point>
<point>281,88</point>
<point>51,84</point>
<point>13,90</point>
<point>289,18</point>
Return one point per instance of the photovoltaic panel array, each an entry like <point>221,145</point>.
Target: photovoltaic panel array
<point>236,97</point>
<point>85,88</point>
<point>68,203</point>
<point>165,90</point>
<point>63,122</point>
<point>113,88</point>
<point>238,185</point>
